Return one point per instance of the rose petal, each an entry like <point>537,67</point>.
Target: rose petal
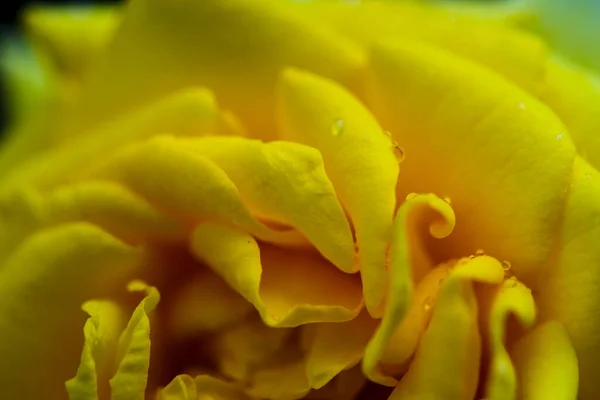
<point>284,182</point>
<point>512,298</point>
<point>407,260</point>
<point>570,294</point>
<point>240,63</point>
<point>101,334</point>
<point>287,287</point>
<point>467,138</point>
<point>357,155</point>
<point>182,387</point>
<point>43,283</point>
<point>133,351</point>
<point>546,364</point>
<point>446,364</point>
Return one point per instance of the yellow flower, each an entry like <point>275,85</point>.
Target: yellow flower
<point>324,194</point>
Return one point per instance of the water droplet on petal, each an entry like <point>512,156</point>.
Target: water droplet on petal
<point>479,252</point>
<point>337,127</point>
<point>588,175</point>
<point>522,106</point>
<point>398,152</point>
<point>447,199</point>
<point>388,134</point>
<point>275,317</point>
<point>559,136</point>
<point>427,303</point>
<point>411,195</point>
<point>506,265</point>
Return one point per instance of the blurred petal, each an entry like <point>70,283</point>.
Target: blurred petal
<point>43,283</point>
<point>516,55</point>
<point>133,352</point>
<point>546,364</point>
<point>574,94</point>
<point>571,293</point>
<point>455,120</point>
<point>281,382</point>
<point>206,303</point>
<point>101,334</point>
<point>241,63</point>
<point>446,363</point>
<point>284,182</point>
<point>334,347</point>
<point>112,207</point>
<point>287,287</point>
<point>357,155</point>
<point>70,38</point>
<point>512,298</point>
<point>182,387</point>
<point>407,259</point>
<point>217,389</point>
<point>192,111</point>
<point>187,186</point>
<point>347,385</point>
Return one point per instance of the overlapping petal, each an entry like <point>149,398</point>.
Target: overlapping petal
<point>454,120</point>
<point>287,287</point>
<point>446,363</point>
<point>235,47</point>
<point>570,292</point>
<point>407,261</point>
<point>43,282</point>
<point>357,154</point>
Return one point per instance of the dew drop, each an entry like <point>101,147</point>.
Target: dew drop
<point>559,136</point>
<point>587,175</point>
<point>388,134</point>
<point>427,303</point>
<point>447,199</point>
<point>411,195</point>
<point>398,152</point>
<point>275,317</point>
<point>471,257</point>
<point>479,252</point>
<point>522,106</point>
<point>506,265</point>
<point>337,127</point>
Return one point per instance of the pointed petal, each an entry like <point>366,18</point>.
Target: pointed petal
<point>133,352</point>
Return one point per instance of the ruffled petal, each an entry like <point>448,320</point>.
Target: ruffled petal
<point>133,351</point>
<point>546,364</point>
<point>472,137</point>
<point>43,282</point>
<point>192,111</point>
<point>357,154</point>
<point>101,334</point>
<point>512,298</point>
<point>240,63</point>
<point>288,287</point>
<point>571,292</point>
<point>286,183</point>
<point>197,188</point>
<point>446,363</point>
<point>407,261</point>
<point>182,387</point>
<point>217,389</point>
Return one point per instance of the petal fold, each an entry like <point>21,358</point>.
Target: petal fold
<point>287,287</point>
<point>488,125</point>
<point>357,155</point>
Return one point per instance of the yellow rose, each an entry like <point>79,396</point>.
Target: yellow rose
<point>324,194</point>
